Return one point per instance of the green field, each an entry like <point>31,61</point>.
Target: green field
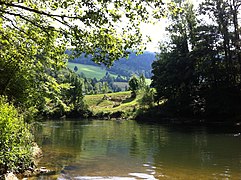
<point>112,102</point>
<point>97,72</point>
<point>89,70</point>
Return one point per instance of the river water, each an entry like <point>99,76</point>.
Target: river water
<point>97,149</point>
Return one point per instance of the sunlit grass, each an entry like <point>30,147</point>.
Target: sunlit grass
<point>120,101</point>
<point>89,70</point>
<point>98,72</point>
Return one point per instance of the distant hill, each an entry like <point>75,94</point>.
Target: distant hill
<point>99,73</point>
<point>135,64</point>
<point>89,71</point>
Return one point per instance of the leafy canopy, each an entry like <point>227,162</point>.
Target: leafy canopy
<point>35,34</point>
<point>103,28</point>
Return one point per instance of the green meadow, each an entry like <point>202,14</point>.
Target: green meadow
<point>112,102</point>
<point>89,70</point>
<point>98,72</point>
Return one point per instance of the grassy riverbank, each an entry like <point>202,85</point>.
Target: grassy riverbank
<point>120,104</point>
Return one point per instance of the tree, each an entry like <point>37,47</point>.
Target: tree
<point>34,37</point>
<point>89,26</point>
<point>148,97</point>
<point>142,82</point>
<point>198,73</point>
<point>174,71</point>
<point>105,88</point>
<point>75,68</point>
<point>225,15</point>
<point>27,65</point>
<point>222,91</point>
<point>73,97</point>
<point>133,85</point>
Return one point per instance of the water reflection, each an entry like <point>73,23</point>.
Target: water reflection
<point>88,149</point>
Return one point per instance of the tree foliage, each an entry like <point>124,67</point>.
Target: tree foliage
<point>15,140</point>
<point>92,27</point>
<point>134,83</point>
<point>198,73</point>
<point>148,97</point>
<point>34,36</point>
<point>137,84</point>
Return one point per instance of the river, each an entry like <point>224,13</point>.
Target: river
<point>97,149</point>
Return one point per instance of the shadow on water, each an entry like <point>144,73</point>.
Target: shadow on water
<point>210,128</point>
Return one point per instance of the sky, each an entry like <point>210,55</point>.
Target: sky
<point>157,32</point>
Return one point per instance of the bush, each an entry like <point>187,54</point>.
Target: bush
<point>148,97</point>
<point>15,140</point>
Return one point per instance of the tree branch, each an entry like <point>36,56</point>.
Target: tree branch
<point>37,11</point>
<point>44,28</point>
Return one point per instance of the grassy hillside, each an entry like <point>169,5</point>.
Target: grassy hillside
<point>135,64</point>
<point>97,72</point>
<point>89,70</point>
<point>121,102</point>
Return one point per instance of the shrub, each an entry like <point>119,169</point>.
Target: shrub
<point>148,97</point>
<point>15,139</point>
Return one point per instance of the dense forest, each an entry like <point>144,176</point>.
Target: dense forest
<point>134,64</point>
<point>198,72</point>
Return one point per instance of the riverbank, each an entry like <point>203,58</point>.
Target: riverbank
<point>122,105</point>
<point>36,154</point>
<point>158,115</point>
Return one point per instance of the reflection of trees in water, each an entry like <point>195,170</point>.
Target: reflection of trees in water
<point>134,149</point>
<point>126,144</point>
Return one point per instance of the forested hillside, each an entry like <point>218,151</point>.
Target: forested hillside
<point>135,64</point>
